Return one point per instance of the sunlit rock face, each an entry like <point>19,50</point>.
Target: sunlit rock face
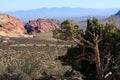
<point>11,26</point>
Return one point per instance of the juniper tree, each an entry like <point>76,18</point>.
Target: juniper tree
<point>97,54</point>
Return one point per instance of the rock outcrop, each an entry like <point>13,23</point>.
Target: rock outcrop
<point>11,26</point>
<point>115,18</point>
<point>41,25</point>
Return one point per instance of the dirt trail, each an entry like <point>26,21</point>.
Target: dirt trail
<point>39,45</point>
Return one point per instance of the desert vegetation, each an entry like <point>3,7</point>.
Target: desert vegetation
<point>74,54</point>
<point>35,58</point>
<point>96,55</point>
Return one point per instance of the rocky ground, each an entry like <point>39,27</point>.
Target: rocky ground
<point>40,51</point>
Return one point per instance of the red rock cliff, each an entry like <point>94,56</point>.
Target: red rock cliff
<point>41,25</point>
<point>11,26</point>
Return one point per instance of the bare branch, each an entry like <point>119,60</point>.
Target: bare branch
<point>108,61</point>
<point>83,41</point>
<point>101,35</point>
<point>83,59</point>
<point>87,42</point>
<point>98,37</point>
<point>113,74</point>
<point>78,41</point>
<point>91,33</point>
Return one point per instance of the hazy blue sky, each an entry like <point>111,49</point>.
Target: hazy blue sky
<point>13,5</point>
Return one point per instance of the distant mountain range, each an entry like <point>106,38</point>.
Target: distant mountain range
<point>13,27</point>
<point>61,13</point>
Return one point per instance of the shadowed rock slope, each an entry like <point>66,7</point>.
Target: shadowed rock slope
<point>115,18</point>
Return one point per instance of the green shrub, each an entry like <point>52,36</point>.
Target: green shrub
<point>30,66</point>
<point>13,73</point>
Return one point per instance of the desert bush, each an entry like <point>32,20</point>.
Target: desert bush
<point>30,66</point>
<point>11,72</point>
<point>66,31</point>
<point>27,68</point>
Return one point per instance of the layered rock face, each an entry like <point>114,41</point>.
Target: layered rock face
<point>41,25</point>
<point>11,26</point>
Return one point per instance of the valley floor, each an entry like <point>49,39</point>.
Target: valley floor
<point>45,52</point>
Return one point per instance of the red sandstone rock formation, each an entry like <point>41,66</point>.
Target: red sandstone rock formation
<point>11,26</point>
<point>41,25</point>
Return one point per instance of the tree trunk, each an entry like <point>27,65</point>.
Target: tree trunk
<point>98,62</point>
